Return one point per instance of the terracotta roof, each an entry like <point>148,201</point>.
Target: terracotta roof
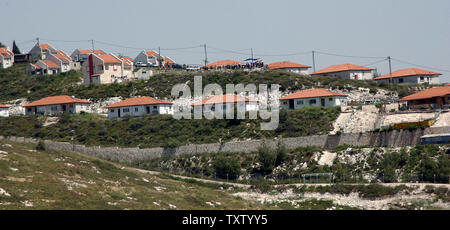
<point>341,68</point>
<point>4,51</point>
<point>168,60</point>
<point>128,59</point>
<point>50,64</point>
<point>286,64</point>
<point>61,55</point>
<point>225,98</point>
<point>56,100</point>
<point>407,72</point>
<point>223,63</point>
<point>310,93</point>
<point>138,101</point>
<point>45,46</point>
<point>36,66</point>
<point>3,106</point>
<point>90,51</point>
<point>151,53</point>
<point>428,93</point>
<point>109,59</point>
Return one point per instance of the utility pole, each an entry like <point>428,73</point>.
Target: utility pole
<point>252,53</point>
<point>206,54</point>
<point>390,69</point>
<point>314,61</point>
<point>92,43</point>
<point>159,57</point>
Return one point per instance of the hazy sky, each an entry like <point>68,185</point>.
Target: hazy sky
<point>415,31</point>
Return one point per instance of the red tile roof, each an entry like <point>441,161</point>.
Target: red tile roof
<point>56,100</point>
<point>50,64</point>
<point>286,64</point>
<point>169,61</point>
<point>341,68</point>
<point>407,72</point>
<point>90,51</point>
<point>224,63</point>
<point>3,106</point>
<point>138,101</point>
<point>63,56</point>
<point>109,59</point>
<point>151,53</point>
<point>428,93</point>
<point>310,93</point>
<point>36,66</point>
<point>225,98</point>
<point>45,46</point>
<point>4,51</point>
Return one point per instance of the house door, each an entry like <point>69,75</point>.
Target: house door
<point>322,101</point>
<point>118,112</point>
<point>64,108</point>
<point>148,109</point>
<point>291,104</point>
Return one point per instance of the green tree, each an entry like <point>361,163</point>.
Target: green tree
<point>16,49</point>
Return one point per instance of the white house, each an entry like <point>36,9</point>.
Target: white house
<point>40,51</point>
<point>81,55</point>
<point>6,57</point>
<point>150,59</point>
<point>220,104</point>
<point>61,59</point>
<point>313,97</point>
<point>4,111</point>
<point>346,71</point>
<point>289,67</point>
<point>411,75</point>
<point>139,106</point>
<point>105,69</point>
<point>43,67</point>
<point>56,105</point>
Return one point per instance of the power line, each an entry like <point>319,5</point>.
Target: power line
<point>284,55</point>
<point>373,63</point>
<point>53,40</point>
<point>423,66</point>
<point>229,51</point>
<point>349,56</point>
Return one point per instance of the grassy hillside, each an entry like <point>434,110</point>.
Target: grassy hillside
<point>164,131</point>
<point>18,85</point>
<point>31,179</point>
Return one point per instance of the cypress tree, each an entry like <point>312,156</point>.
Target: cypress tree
<point>15,48</point>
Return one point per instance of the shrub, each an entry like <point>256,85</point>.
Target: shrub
<point>267,159</point>
<point>227,168</point>
<point>40,146</point>
<point>281,154</point>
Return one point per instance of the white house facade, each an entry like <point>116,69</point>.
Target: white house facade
<point>347,71</point>
<point>104,69</point>
<point>313,98</point>
<point>289,67</point>
<point>4,111</point>
<point>139,106</point>
<point>411,76</point>
<point>221,104</point>
<point>57,105</point>
<point>6,58</point>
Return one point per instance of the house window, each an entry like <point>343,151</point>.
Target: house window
<point>126,110</point>
<point>300,102</point>
<point>330,99</point>
<point>155,107</point>
<point>312,101</point>
<point>54,108</point>
<point>213,108</point>
<point>87,68</point>
<point>421,78</point>
<point>107,67</point>
<point>71,106</point>
<point>115,67</point>
<point>136,109</point>
<point>112,110</point>
<point>29,109</point>
<point>284,102</point>
<point>400,80</point>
